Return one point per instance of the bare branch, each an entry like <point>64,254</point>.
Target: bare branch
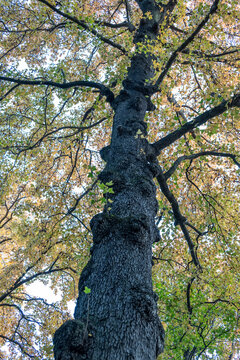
<point>104,90</point>
<point>84,26</point>
<point>188,293</point>
<point>77,128</point>
<point>125,24</point>
<point>196,122</point>
<point>23,278</point>
<point>39,28</point>
<point>169,173</point>
<point>210,56</point>
<point>181,220</point>
<point>80,198</point>
<point>220,300</point>
<point>173,101</point>
<point>8,92</point>
<point>18,344</point>
<point>8,215</point>
<point>13,47</point>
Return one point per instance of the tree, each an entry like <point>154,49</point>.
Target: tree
<point>153,87</point>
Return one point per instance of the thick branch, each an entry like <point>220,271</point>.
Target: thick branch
<point>84,26</point>
<point>125,24</point>
<point>188,293</point>
<point>129,15</point>
<point>67,85</point>
<point>196,122</point>
<point>178,216</point>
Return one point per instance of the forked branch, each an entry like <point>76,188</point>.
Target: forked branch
<point>169,173</point>
<point>84,25</point>
<point>174,55</point>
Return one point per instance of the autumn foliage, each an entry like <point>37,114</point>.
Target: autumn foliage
<point>61,63</point>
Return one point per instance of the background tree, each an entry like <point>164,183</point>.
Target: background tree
<point>159,81</point>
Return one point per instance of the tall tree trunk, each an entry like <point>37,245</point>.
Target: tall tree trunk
<point>118,318</point>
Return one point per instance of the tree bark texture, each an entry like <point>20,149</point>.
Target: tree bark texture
<point>118,320</point>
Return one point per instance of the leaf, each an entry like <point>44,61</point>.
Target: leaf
<point>87,290</point>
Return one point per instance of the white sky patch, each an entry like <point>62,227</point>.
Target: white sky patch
<point>38,289</point>
<point>71,307</point>
<point>56,100</point>
<point>22,65</point>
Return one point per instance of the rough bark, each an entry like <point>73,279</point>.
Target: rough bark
<point>118,319</point>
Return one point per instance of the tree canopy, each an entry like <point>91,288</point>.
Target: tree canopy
<point>62,65</point>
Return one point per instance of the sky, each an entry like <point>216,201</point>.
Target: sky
<point>38,289</point>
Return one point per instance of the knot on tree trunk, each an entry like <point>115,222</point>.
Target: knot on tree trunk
<point>131,226</point>
<point>104,153</point>
<point>145,302</point>
<point>72,341</point>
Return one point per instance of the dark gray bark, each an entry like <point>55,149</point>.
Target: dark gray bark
<point>120,313</point>
<point>118,319</point>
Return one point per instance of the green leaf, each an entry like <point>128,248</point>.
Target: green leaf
<point>87,290</point>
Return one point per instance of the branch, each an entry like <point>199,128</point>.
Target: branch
<point>174,55</point>
<point>178,110</point>
<point>47,134</point>
<point>129,15</point>
<point>18,344</point>
<point>169,173</point>
<point>28,279</point>
<point>31,30</point>
<point>13,47</point>
<point>188,293</point>
<point>196,122</point>
<point>189,354</point>
<point>125,24</point>
<point>104,90</point>
<point>220,300</point>
<point>16,307</point>
<point>8,92</point>
<point>8,216</point>
<point>209,56</point>
<point>23,279</point>
<point>178,216</point>
<point>84,26</point>
<point>70,211</point>
<point>28,298</point>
